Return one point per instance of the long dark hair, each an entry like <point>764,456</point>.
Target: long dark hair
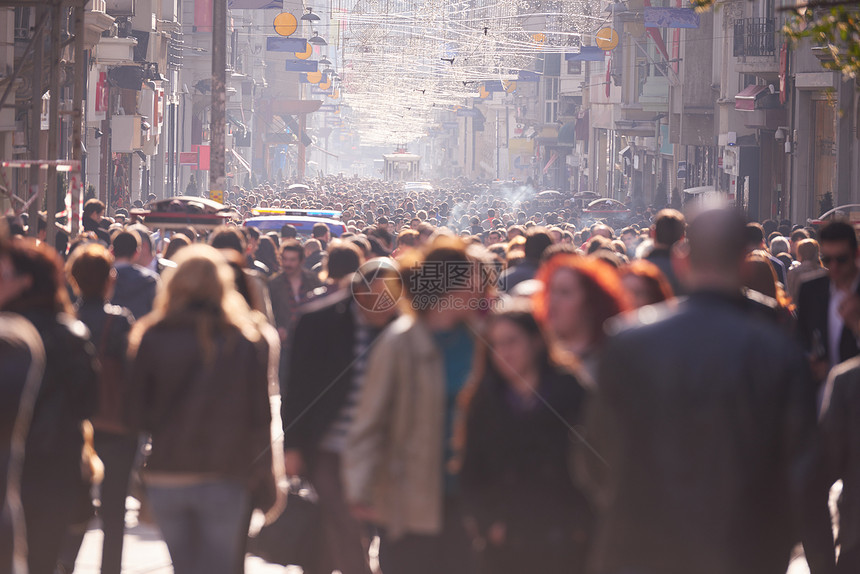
<point>486,377</point>
<point>484,370</point>
<point>42,264</point>
<point>268,255</point>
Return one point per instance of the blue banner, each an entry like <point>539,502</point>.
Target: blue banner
<point>528,76</point>
<point>671,18</point>
<point>283,44</point>
<point>470,113</point>
<point>301,66</point>
<point>255,4</point>
<point>587,54</point>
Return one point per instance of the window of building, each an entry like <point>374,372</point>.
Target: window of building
<point>22,23</point>
<point>574,68</point>
<point>551,99</point>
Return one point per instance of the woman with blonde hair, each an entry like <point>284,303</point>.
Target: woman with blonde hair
<point>199,388</point>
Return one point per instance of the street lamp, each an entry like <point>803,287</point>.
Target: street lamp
<point>316,40</point>
<point>310,16</point>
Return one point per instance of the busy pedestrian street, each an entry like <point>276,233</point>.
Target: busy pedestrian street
<point>429,287</point>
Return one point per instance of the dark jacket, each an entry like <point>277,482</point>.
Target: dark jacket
<point>135,289</point>
<point>67,397</point>
<point>204,416</point>
<point>516,460</point>
<point>706,419</point>
<point>313,260</point>
<point>320,371</point>
<point>813,302</point>
<point>20,351</point>
<point>109,327</point>
<point>284,302</point>
<point>101,232</point>
<point>662,258</point>
<point>513,276</point>
<point>840,426</point>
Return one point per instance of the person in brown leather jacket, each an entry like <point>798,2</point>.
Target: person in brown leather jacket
<point>200,388</point>
<point>704,416</point>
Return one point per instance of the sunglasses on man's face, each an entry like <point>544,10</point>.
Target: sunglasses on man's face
<point>840,259</point>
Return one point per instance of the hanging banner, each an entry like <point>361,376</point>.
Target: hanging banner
<point>255,4</point>
<point>203,15</point>
<point>528,76</point>
<point>301,65</point>
<point>470,113</point>
<point>494,86</point>
<point>284,44</point>
<point>671,18</point>
<point>587,54</point>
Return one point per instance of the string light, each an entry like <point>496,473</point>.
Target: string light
<point>406,61</point>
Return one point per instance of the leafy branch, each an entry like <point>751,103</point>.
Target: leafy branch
<point>832,25</point>
<point>835,29</point>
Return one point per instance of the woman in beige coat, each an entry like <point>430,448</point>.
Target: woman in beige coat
<point>396,464</point>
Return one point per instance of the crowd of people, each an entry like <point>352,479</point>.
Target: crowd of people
<point>486,382</point>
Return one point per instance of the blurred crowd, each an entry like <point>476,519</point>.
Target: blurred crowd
<point>484,381</point>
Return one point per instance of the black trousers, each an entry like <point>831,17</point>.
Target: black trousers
<point>117,452</point>
<point>449,552</point>
<point>849,561</point>
<point>533,556</point>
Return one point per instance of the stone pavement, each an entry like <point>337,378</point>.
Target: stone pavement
<point>145,553</point>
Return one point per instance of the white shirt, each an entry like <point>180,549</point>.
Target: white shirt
<point>835,324</point>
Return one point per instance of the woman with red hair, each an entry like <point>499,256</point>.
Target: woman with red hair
<point>579,295</point>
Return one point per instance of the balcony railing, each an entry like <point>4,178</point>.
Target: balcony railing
<point>755,37</point>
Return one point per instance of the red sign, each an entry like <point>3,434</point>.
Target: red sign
<point>188,158</point>
<point>204,157</point>
<point>203,15</point>
<point>102,93</point>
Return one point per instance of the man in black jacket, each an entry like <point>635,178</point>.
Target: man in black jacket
<point>135,286</point>
<point>705,420</point>
<point>668,229</point>
<point>828,308</point>
<point>840,428</point>
<point>333,339</point>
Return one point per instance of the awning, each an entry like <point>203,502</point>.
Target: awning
<point>245,165</point>
<point>700,190</point>
<point>747,98</point>
<point>567,134</point>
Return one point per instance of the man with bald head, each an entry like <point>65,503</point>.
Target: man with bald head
<point>704,419</point>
